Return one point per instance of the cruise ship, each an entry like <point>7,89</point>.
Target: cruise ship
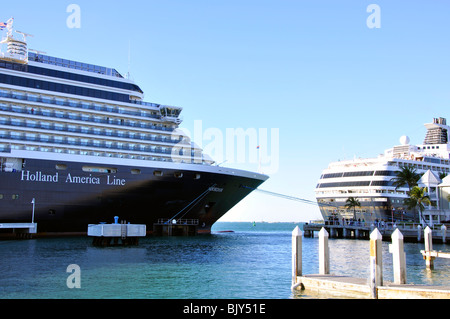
<point>371,182</point>
<point>78,146</point>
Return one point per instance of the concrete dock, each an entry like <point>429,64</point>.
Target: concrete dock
<point>373,287</point>
<point>21,230</point>
<point>110,234</point>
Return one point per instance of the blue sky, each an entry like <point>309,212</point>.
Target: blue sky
<point>333,87</point>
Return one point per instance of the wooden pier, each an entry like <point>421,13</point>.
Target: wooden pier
<point>359,230</point>
<point>428,253</point>
<point>372,287</point>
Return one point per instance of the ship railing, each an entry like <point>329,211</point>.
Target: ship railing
<point>381,225</point>
<point>87,130</point>
<point>316,221</point>
<point>25,97</point>
<point>347,222</point>
<point>128,146</point>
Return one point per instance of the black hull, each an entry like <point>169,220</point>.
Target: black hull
<point>68,199</point>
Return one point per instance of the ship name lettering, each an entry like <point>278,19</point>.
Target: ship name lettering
<point>82,179</point>
<point>115,181</point>
<point>39,177</point>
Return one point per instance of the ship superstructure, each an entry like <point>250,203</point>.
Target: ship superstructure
<point>371,181</point>
<point>80,140</point>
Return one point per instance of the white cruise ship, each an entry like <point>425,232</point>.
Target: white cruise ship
<point>370,180</point>
<point>78,141</point>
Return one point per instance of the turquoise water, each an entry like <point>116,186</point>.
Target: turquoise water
<point>251,262</point>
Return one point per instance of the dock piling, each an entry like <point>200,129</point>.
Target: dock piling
<point>428,236</point>
<point>324,252</point>
<point>399,257</point>
<point>297,236</point>
<point>376,265</point>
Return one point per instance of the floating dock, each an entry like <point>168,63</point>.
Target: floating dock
<point>110,234</point>
<point>372,287</point>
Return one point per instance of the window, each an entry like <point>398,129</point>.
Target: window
<point>157,173</point>
<point>99,169</point>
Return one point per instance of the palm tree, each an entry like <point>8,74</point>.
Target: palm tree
<point>417,198</point>
<point>352,202</point>
<point>406,176</point>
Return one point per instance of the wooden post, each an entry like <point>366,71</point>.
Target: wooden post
<point>324,252</point>
<point>428,236</point>
<point>297,235</point>
<point>376,265</point>
<point>399,257</point>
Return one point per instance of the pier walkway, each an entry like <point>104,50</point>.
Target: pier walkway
<point>412,232</point>
<point>359,288</point>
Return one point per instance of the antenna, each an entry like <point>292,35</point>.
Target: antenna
<point>25,35</point>
<point>36,51</point>
<point>129,58</point>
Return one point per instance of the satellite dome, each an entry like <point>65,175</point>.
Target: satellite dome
<point>404,140</point>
